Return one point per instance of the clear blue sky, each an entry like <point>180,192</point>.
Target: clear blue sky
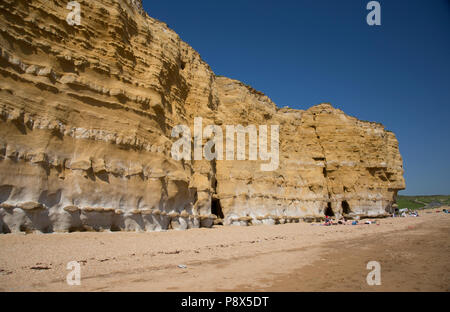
<point>304,52</point>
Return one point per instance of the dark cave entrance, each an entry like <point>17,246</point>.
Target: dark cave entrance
<point>216,208</point>
<point>345,208</point>
<point>329,211</point>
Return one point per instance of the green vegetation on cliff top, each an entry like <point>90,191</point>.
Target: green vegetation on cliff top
<point>417,202</point>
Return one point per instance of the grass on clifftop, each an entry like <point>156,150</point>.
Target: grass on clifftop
<point>417,202</point>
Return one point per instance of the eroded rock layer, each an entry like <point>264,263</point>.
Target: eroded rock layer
<point>87,113</point>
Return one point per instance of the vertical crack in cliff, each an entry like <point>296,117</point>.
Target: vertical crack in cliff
<point>214,177</point>
<point>325,174</point>
<point>216,207</point>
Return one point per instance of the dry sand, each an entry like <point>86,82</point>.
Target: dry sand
<point>413,253</point>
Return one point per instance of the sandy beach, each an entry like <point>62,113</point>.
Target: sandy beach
<point>413,254</point>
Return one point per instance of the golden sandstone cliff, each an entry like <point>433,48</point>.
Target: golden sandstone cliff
<point>87,113</point>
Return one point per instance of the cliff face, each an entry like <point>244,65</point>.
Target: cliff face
<point>87,113</point>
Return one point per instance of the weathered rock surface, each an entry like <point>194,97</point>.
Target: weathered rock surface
<point>87,113</point>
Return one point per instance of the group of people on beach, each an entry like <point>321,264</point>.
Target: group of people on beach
<point>330,221</point>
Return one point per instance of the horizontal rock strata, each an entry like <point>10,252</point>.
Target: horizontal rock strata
<point>86,115</point>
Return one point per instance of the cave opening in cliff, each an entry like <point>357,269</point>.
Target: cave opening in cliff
<point>345,208</point>
<point>216,208</point>
<point>329,211</point>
